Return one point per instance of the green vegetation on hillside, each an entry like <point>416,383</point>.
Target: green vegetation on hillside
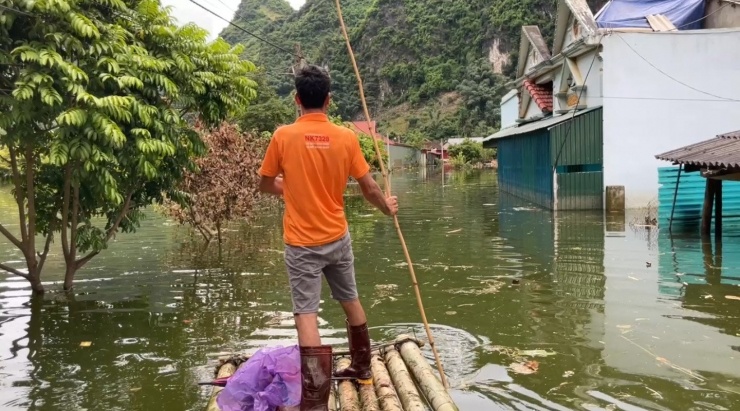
<point>425,63</point>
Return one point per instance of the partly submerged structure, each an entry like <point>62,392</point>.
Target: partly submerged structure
<point>687,203</point>
<point>584,118</point>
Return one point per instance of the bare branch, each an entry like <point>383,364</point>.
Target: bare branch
<point>45,253</point>
<point>13,239</point>
<point>14,271</point>
<point>121,216</point>
<point>111,232</point>
<point>84,260</point>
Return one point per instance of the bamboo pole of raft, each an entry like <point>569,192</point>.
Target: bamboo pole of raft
<point>226,370</point>
<point>384,389</point>
<point>332,399</point>
<point>415,283</point>
<point>405,387</point>
<point>348,398</point>
<point>430,386</point>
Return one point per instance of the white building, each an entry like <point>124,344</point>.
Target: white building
<point>587,117</point>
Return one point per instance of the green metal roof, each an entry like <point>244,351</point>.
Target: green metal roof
<point>535,125</point>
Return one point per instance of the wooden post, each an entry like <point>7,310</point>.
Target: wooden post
<point>706,214</point>
<point>675,196</point>
<point>717,208</point>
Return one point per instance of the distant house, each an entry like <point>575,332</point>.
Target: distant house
<point>585,117</point>
<point>399,155</point>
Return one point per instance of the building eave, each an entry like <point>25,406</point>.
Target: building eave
<point>574,50</point>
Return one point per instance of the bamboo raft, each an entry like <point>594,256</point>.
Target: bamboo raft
<point>403,380</point>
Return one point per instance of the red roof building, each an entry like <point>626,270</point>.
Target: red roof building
<point>541,94</point>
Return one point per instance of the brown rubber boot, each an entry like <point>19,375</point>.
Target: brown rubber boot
<point>359,348</point>
<point>316,364</point>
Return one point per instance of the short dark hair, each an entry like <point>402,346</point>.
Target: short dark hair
<point>312,83</point>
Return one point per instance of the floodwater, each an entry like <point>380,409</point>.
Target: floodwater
<point>610,316</point>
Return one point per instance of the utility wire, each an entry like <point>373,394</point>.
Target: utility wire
<point>703,18</point>
<point>669,99</point>
<point>262,39</point>
<point>671,77</point>
<point>575,109</point>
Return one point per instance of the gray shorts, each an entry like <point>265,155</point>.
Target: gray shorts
<point>305,266</point>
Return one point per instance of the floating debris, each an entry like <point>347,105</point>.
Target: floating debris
<point>529,367</point>
<point>732,297</point>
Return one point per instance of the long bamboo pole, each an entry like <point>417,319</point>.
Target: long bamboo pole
<point>415,283</point>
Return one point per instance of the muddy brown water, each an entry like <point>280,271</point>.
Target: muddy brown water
<point>625,318</point>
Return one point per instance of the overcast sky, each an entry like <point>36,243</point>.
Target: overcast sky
<point>185,11</point>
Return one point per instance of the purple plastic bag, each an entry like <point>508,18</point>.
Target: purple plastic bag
<point>271,378</point>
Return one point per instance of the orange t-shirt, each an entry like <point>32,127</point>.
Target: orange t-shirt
<point>316,158</point>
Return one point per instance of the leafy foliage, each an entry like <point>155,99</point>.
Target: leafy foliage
<point>470,152</point>
<point>371,155</point>
<point>268,111</point>
<point>225,185</point>
<point>96,99</point>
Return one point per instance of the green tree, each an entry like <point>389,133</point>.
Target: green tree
<point>268,111</point>
<point>95,106</point>
<point>468,151</point>
<point>369,152</point>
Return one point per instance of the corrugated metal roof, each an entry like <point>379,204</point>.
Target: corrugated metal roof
<point>721,151</point>
<point>536,125</point>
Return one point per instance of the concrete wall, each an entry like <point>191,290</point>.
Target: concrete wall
<point>722,14</point>
<point>401,156</point>
<point>648,113</point>
<point>592,95</point>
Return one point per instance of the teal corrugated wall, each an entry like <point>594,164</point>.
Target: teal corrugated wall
<point>524,167</point>
<point>577,149</point>
<point>690,200</point>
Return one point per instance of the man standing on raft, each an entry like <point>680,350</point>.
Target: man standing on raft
<point>316,158</point>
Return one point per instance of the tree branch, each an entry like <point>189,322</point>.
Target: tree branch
<point>31,199</point>
<point>74,222</point>
<point>65,210</point>
<point>13,239</point>
<point>18,197</point>
<point>121,216</point>
<point>14,271</point>
<point>45,253</point>
<point>112,231</point>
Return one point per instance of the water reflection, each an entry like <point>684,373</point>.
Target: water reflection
<point>602,308</point>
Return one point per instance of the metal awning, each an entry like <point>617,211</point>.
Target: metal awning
<point>721,151</point>
<point>548,122</point>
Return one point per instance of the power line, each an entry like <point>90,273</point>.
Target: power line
<point>698,20</point>
<point>670,99</point>
<point>246,31</point>
<point>669,76</point>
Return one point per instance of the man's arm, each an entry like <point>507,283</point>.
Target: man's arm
<point>271,185</point>
<point>372,193</point>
